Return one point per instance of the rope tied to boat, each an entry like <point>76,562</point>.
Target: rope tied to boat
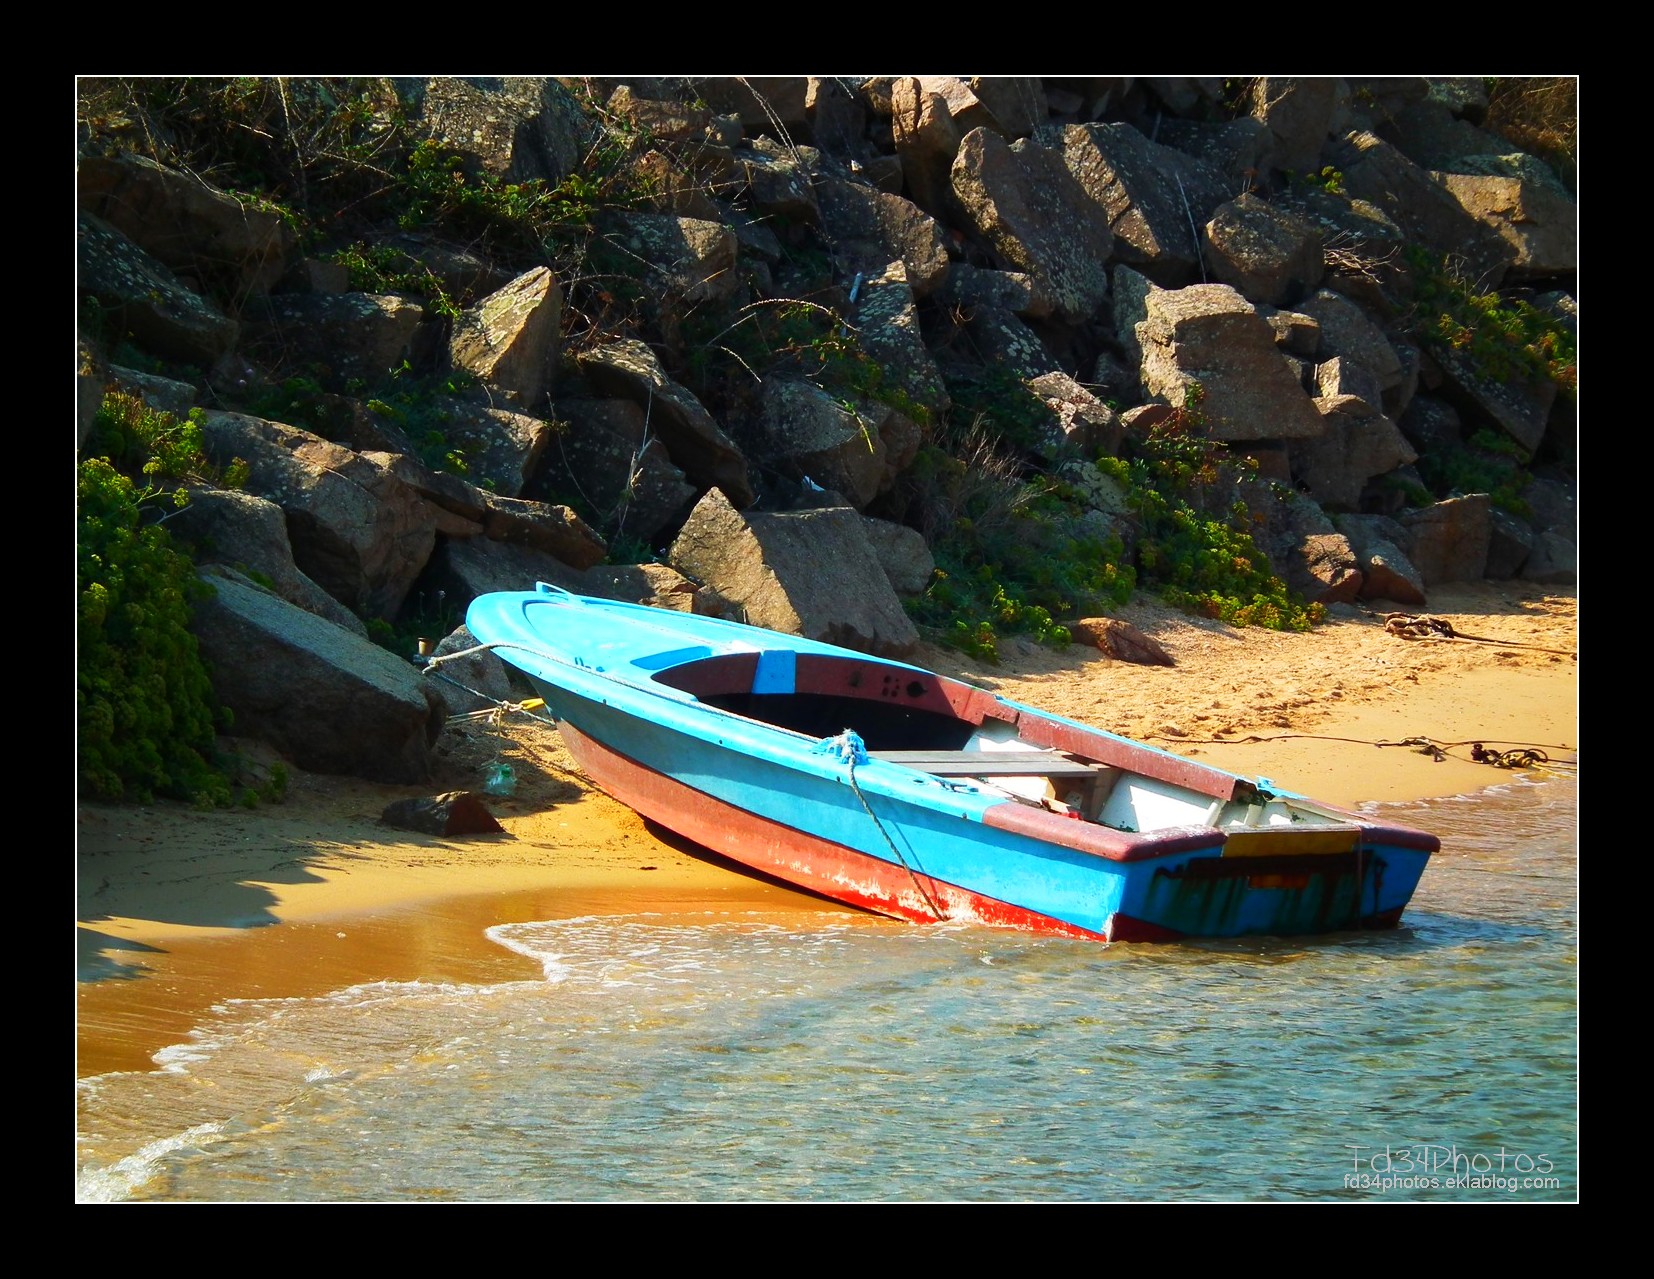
<point>848,748</point>
<point>494,714</point>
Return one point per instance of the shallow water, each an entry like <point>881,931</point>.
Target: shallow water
<point>739,1057</point>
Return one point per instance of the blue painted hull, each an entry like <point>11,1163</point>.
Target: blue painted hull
<point>669,713</point>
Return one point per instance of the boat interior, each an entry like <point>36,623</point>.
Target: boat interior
<point>949,729</point>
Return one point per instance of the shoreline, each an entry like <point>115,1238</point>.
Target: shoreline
<point>179,910</point>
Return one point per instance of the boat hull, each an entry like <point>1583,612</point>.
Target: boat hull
<point>897,790</point>
<point>836,839</point>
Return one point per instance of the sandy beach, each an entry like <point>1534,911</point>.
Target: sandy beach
<point>179,910</point>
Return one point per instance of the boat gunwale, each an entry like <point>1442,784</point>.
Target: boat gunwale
<point>894,780</point>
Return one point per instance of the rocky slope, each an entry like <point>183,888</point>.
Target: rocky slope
<point>772,347</point>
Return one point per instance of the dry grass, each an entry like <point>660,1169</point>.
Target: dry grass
<point>1541,115</point>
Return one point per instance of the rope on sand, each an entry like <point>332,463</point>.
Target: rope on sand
<point>1518,754</point>
<point>1422,626</point>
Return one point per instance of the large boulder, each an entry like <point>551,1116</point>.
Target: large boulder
<point>1450,538</point>
<point>1358,444</point>
<point>508,341</point>
<point>872,228</point>
<point>1553,561</point>
<point>1269,254</point>
<point>200,233</point>
<point>607,455</point>
<point>1348,331</point>
<point>759,102</point>
<point>813,433</point>
<point>690,260</point>
<point>327,699</point>
<point>1414,200</point>
<point>494,447</point>
<point>1299,112</point>
<point>134,293</point>
<point>1208,335</point>
<point>516,128</point>
<point>344,341</point>
<point>1023,199</point>
<point>1081,423</point>
<point>1151,197</point>
<point>476,682</point>
<point>357,530</point>
<point>628,369</point>
<point>926,139</point>
<point>1519,405</point>
<point>888,322</point>
<point>1528,209</point>
<point>249,534</point>
<point>811,573</point>
<point>1377,541</point>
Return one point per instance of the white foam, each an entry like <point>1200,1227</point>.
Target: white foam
<point>121,1179</point>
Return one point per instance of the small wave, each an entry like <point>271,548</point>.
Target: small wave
<point>122,1179</point>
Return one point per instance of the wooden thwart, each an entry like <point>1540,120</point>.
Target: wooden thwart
<point>1052,764</point>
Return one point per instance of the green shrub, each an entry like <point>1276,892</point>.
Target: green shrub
<point>147,712</point>
<point>997,397</point>
<point>789,336</point>
<point>1486,463</point>
<point>387,269</point>
<point>1201,560</point>
<point>1017,552</point>
<point>148,716</point>
<point>1014,554</point>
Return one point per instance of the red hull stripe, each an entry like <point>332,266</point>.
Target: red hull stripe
<point>796,856</point>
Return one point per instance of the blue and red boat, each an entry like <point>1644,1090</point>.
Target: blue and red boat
<point>892,788</point>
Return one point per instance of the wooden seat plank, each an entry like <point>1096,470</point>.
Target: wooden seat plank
<point>1040,763</point>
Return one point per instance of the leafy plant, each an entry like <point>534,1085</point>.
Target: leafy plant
<point>1486,463</point>
<point>790,335</point>
<point>1501,338</point>
<point>1328,179</point>
<point>147,712</point>
<point>420,406</point>
<point>1201,560</point>
<point>148,716</point>
<point>999,398</point>
<point>156,445</point>
<point>1016,550</point>
<point>386,269</point>
<point>1015,553</point>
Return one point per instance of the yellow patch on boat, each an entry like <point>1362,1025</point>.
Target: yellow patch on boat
<point>1274,842</point>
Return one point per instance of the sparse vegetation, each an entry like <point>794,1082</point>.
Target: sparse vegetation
<point>1502,338</point>
<point>1015,554</point>
<point>1019,551</point>
<point>1486,463</point>
<point>1539,114</point>
<point>342,160</point>
<point>1199,560</point>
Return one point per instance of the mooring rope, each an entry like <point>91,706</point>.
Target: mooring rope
<point>1425,627</point>
<point>1518,754</point>
<point>848,747</point>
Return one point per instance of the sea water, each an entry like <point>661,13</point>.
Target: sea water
<point>734,1058</point>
